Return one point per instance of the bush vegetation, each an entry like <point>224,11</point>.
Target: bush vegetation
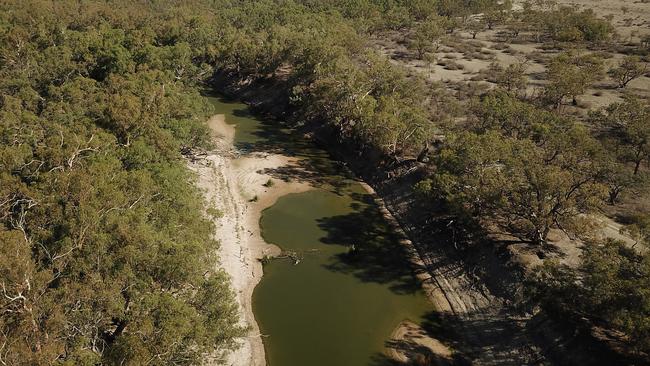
<point>610,285</point>
<point>105,257</point>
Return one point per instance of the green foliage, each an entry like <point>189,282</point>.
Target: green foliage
<point>626,125</point>
<point>625,131</point>
<point>373,104</point>
<point>105,256</point>
<point>330,77</point>
<point>639,229</point>
<point>570,75</point>
<point>512,79</point>
<point>569,25</point>
<point>547,20</point>
<point>524,168</point>
<point>612,283</point>
<point>376,15</point>
<point>497,13</point>
<point>630,68</point>
<point>475,27</point>
<point>425,37</point>
<point>502,112</point>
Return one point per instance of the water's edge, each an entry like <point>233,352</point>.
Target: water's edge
<point>255,136</point>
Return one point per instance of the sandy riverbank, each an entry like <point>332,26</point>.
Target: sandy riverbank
<point>233,184</point>
<point>230,182</point>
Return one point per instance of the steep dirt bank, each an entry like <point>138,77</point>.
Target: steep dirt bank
<point>465,302</point>
<point>476,283</point>
<point>230,182</point>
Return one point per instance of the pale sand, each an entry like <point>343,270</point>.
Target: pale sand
<point>409,342</point>
<point>229,182</point>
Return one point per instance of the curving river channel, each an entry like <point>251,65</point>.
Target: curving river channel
<point>351,287</point>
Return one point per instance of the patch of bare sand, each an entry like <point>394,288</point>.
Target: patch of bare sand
<point>409,342</point>
<point>234,185</point>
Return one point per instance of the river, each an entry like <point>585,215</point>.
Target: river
<point>347,285</point>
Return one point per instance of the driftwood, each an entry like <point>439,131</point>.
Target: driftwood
<point>294,256</point>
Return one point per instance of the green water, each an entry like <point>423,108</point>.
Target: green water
<point>248,130</point>
<point>333,308</point>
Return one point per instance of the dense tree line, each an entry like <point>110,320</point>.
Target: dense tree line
<point>105,257</point>
<point>330,73</point>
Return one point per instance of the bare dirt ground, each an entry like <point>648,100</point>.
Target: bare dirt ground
<point>478,287</point>
<point>461,59</point>
<point>234,186</point>
<point>410,342</point>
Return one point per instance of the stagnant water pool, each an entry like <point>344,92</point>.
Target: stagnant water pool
<point>351,286</point>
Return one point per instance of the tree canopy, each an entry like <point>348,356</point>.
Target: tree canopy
<point>105,257</point>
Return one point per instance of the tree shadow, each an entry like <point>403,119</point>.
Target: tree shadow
<point>375,254</point>
<point>314,165</point>
<point>317,170</point>
<point>425,358</point>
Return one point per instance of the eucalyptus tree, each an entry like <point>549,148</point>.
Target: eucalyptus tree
<point>570,75</point>
<point>526,169</point>
<point>425,36</point>
<point>629,69</point>
<point>627,125</point>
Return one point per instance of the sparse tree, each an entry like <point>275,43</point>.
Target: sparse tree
<point>645,42</point>
<point>424,38</point>
<point>570,75</point>
<point>638,229</point>
<point>630,68</point>
<point>511,78</point>
<point>628,126</point>
<point>475,27</point>
<point>496,13</point>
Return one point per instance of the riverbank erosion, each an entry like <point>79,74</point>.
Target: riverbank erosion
<point>470,319</point>
<point>475,278</point>
<point>236,191</point>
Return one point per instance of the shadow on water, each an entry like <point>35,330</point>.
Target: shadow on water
<point>314,165</point>
<point>254,135</point>
<point>376,257</point>
<point>334,307</point>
